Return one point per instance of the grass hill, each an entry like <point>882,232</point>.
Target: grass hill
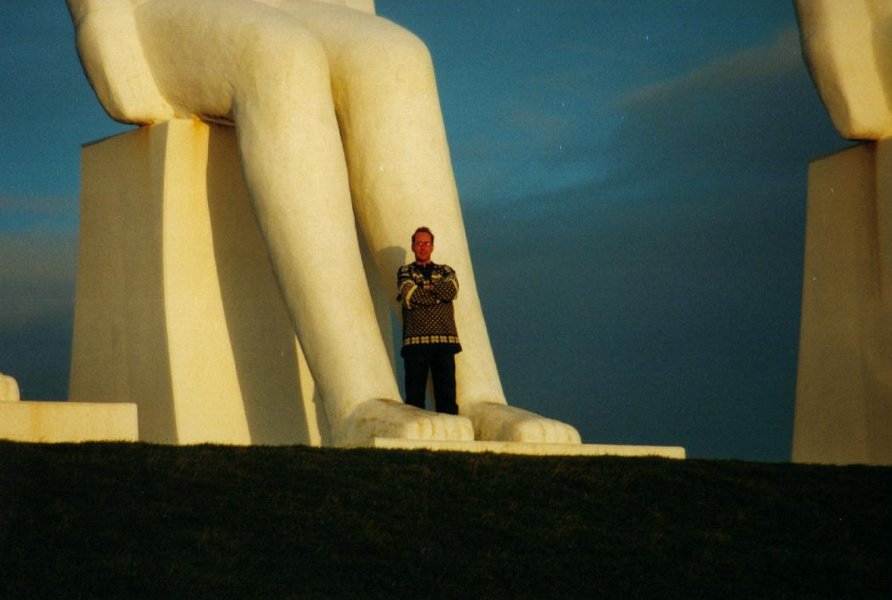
<point>144,521</point>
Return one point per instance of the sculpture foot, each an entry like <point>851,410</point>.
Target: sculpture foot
<point>393,419</point>
<point>500,422</point>
<point>9,389</point>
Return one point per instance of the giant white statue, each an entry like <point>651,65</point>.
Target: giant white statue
<point>341,144</point>
<point>844,387</point>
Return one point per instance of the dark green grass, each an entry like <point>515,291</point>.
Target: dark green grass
<point>142,521</point>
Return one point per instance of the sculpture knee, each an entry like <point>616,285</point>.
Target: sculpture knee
<point>109,47</point>
<point>283,71</point>
<point>846,61</point>
<point>399,59</point>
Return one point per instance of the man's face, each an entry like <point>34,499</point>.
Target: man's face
<point>422,246</point>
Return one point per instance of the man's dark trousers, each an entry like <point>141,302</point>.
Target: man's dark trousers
<point>441,365</point>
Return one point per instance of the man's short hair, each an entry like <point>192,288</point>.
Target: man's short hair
<point>423,230</point>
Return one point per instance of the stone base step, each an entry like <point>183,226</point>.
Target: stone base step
<point>533,449</point>
<point>63,422</point>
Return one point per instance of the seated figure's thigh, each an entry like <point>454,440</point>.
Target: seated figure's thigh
<point>207,55</point>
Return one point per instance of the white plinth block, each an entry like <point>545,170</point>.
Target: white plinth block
<point>844,386</point>
<point>177,309</point>
<point>57,422</point>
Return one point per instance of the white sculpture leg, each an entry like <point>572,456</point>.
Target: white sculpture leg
<point>401,177</point>
<point>295,170</point>
<point>271,67</point>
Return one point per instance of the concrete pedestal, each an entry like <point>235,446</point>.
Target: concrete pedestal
<point>56,422</point>
<point>844,387</point>
<point>676,452</point>
<point>202,345</point>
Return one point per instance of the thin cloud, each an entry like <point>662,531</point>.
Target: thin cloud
<point>543,127</point>
<point>750,119</point>
<point>780,58</point>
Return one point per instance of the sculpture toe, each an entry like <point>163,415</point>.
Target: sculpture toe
<point>500,422</point>
<point>393,419</point>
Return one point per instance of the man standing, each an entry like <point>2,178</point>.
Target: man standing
<point>430,338</point>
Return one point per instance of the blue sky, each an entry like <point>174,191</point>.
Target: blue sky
<point>633,176</point>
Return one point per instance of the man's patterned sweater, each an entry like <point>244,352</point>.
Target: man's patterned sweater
<point>426,293</point>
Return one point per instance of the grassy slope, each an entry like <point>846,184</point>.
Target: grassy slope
<point>134,520</point>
